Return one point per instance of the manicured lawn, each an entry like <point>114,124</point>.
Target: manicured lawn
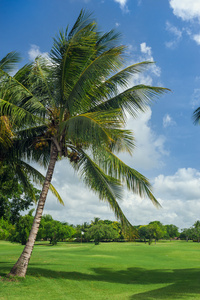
<point>168,270</point>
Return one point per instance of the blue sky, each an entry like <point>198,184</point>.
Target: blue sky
<point>168,147</point>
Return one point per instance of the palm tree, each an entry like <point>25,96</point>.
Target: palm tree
<point>7,64</point>
<point>77,111</point>
<point>9,157</point>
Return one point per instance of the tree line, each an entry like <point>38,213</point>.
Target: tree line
<point>96,231</point>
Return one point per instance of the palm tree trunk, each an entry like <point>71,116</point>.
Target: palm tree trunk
<point>20,268</point>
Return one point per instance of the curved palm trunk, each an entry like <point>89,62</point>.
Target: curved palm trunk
<point>21,265</point>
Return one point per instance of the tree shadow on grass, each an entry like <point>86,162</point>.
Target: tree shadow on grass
<point>180,283</point>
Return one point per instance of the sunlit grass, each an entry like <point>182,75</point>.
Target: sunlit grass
<point>168,270</point>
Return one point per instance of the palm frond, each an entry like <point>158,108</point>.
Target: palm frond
<point>6,134</point>
<point>20,115</point>
<point>24,179</point>
<point>70,57</point>
<point>8,63</point>
<point>82,21</point>
<point>94,127</point>
<point>133,100</point>
<point>107,187</point>
<point>39,179</point>
<point>196,116</point>
<point>121,79</point>
<point>134,181</point>
<point>107,41</point>
<point>91,77</point>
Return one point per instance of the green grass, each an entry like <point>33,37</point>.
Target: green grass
<point>168,270</point>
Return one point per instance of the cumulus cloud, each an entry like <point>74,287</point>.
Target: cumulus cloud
<point>81,205</point>
<point>147,55</point>
<point>196,38</point>
<point>34,52</point>
<point>150,148</point>
<point>145,49</point>
<point>179,196</point>
<point>184,184</point>
<point>187,10</point>
<point>168,121</point>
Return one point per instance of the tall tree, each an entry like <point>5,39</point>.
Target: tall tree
<point>14,171</point>
<point>77,104</point>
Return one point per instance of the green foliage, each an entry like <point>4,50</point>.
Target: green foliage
<point>192,233</point>
<point>6,229</point>
<point>99,232</point>
<point>143,232</point>
<point>22,229</point>
<point>155,230</point>
<point>54,231</point>
<point>172,231</point>
<point>15,195</point>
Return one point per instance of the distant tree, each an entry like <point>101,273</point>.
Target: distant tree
<point>197,230</point>
<point>155,231</point>
<point>22,229</point>
<point>53,230</point>
<point>143,232</point>
<point>108,222</point>
<point>172,231</point>
<point>101,232</point>
<point>96,221</point>
<point>187,234</point>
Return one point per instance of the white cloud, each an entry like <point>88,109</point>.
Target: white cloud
<point>34,52</point>
<point>184,185</point>
<point>122,4</point>
<point>145,49</point>
<point>177,33</point>
<point>187,10</point>
<point>168,121</point>
<point>193,36</point>
<point>196,38</point>
<point>179,196</point>
<point>147,55</point>
<point>150,147</point>
<point>152,72</point>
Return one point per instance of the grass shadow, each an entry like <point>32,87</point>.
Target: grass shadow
<point>180,283</point>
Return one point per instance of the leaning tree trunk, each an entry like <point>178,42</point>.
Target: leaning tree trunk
<point>20,268</point>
